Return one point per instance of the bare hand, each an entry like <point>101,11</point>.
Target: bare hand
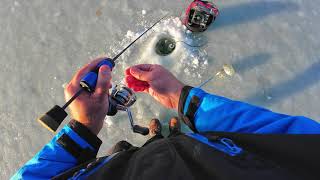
<point>157,81</point>
<point>90,109</point>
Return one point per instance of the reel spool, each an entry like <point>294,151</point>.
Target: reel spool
<point>121,99</point>
<point>123,96</point>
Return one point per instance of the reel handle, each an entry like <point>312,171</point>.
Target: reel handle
<point>136,128</point>
<point>141,130</point>
<point>120,100</point>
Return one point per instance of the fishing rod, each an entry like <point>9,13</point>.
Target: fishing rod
<point>54,117</point>
<point>116,57</point>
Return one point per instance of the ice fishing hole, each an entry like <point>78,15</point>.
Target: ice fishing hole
<point>165,46</point>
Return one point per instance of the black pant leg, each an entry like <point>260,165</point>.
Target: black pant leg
<point>120,146</point>
<point>154,138</point>
<point>174,132</point>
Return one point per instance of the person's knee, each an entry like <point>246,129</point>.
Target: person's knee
<point>124,145</point>
<point>120,146</point>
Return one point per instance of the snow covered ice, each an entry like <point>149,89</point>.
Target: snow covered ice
<point>273,47</point>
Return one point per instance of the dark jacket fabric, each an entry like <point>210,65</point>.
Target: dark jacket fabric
<point>182,157</point>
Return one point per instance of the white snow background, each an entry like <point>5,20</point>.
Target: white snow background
<point>272,44</point>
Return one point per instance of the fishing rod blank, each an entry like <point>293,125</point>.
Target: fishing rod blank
<point>54,117</point>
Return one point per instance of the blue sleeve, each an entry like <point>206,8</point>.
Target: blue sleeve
<point>53,158</point>
<point>215,113</point>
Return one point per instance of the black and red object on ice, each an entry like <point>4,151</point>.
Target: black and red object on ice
<point>199,15</point>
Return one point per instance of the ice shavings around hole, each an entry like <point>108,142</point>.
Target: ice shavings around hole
<point>185,62</point>
<point>183,57</point>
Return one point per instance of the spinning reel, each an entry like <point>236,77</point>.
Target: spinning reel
<point>121,99</point>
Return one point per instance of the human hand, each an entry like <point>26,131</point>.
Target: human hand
<point>157,81</point>
<point>90,109</point>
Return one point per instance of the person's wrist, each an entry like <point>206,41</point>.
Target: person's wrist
<point>93,127</point>
<point>85,133</point>
<point>176,95</point>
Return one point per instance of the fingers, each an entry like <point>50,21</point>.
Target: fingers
<point>84,70</point>
<point>135,84</point>
<point>127,72</point>
<point>139,89</point>
<point>104,78</point>
<point>141,72</point>
<point>133,81</point>
<point>138,76</point>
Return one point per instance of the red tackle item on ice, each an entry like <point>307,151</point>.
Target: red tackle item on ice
<point>199,15</point>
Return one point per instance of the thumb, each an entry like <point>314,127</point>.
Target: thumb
<point>104,78</point>
<point>142,72</point>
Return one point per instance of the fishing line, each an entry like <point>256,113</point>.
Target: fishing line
<point>205,82</point>
<point>190,45</point>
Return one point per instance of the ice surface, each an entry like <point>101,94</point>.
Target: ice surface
<point>272,45</point>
